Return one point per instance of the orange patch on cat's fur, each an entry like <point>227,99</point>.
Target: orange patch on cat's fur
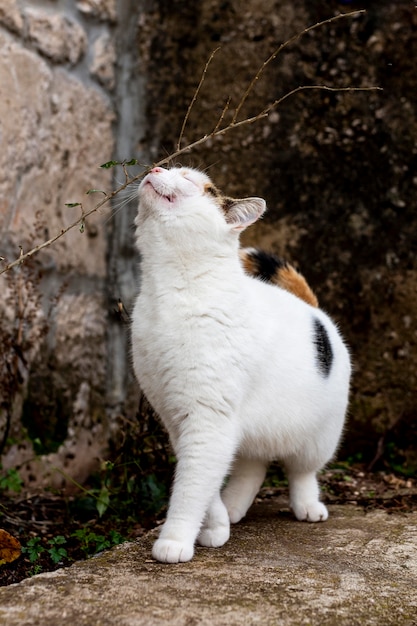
<point>288,278</point>
<point>284,274</point>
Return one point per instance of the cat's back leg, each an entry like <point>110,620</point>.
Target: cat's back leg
<point>215,530</point>
<point>305,493</point>
<point>244,483</point>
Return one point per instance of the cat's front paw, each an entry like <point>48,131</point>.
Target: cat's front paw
<point>214,537</point>
<point>169,551</point>
<point>310,512</point>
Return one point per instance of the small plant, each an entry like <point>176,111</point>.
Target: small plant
<point>41,553</point>
<point>36,569</point>
<point>11,481</point>
<point>56,551</point>
<point>91,543</point>
<point>33,549</point>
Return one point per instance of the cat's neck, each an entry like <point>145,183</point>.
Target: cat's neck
<point>169,284</point>
<point>186,258</point>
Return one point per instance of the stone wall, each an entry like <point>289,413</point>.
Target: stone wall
<point>57,118</point>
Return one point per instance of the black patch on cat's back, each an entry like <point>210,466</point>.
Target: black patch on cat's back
<point>323,346</point>
<point>266,265</point>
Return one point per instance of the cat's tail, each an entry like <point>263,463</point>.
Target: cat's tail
<point>276,271</point>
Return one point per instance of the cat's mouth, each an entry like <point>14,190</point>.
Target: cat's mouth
<point>169,197</point>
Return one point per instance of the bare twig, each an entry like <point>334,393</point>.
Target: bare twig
<point>195,96</point>
<point>280,48</point>
<point>276,103</point>
<point>217,131</point>
<point>221,118</point>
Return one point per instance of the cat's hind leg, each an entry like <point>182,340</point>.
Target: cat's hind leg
<point>215,530</point>
<point>244,483</point>
<point>304,496</point>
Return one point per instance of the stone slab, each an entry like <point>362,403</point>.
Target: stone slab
<point>356,569</point>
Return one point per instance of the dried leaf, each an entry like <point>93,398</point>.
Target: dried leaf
<point>10,548</point>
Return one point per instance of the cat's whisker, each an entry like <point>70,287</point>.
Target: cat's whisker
<point>121,203</point>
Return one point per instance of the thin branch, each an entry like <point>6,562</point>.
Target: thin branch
<point>196,93</point>
<point>217,131</point>
<point>221,118</point>
<point>280,48</point>
<point>276,103</point>
<point>221,131</point>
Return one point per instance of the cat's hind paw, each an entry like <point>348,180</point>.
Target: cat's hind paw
<point>310,512</point>
<point>214,537</point>
<point>169,551</point>
<point>235,514</point>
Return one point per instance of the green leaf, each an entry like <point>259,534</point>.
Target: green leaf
<point>57,554</point>
<point>58,540</point>
<point>116,538</point>
<point>131,162</point>
<point>109,164</point>
<point>102,543</point>
<point>95,191</point>
<point>11,481</point>
<point>72,204</point>
<point>33,549</point>
<point>103,500</point>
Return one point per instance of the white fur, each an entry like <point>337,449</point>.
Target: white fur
<point>229,364</point>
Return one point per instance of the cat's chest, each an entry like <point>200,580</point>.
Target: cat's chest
<point>180,327</point>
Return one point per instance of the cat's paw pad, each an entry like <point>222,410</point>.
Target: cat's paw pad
<point>169,551</point>
<point>214,537</point>
<point>311,512</point>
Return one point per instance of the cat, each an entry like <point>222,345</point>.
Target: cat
<point>240,371</point>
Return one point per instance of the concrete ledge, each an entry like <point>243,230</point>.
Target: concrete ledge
<point>357,568</point>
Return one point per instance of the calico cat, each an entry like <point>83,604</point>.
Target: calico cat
<point>240,371</point>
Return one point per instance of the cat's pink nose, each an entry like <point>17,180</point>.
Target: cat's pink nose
<point>156,170</point>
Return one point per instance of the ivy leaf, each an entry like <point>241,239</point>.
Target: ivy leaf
<point>109,164</point>
<point>72,204</point>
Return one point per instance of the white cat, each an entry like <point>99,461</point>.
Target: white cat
<point>240,371</point>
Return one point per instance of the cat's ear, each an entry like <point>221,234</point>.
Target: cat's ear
<point>242,213</point>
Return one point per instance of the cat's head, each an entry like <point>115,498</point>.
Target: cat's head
<point>188,198</point>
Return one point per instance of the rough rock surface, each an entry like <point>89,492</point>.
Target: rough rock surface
<point>56,127</point>
<point>355,569</point>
